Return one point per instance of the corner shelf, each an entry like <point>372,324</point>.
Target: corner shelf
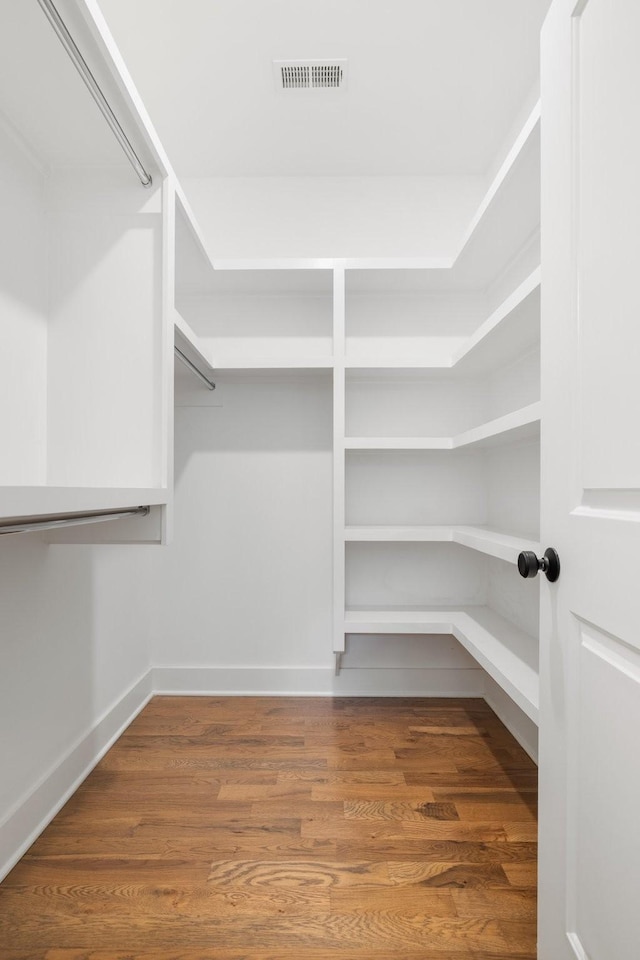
<point>508,654</point>
<point>189,343</point>
<point>522,424</point>
<point>511,329</point>
<point>508,215</point>
<point>482,539</point>
<point>525,139</point>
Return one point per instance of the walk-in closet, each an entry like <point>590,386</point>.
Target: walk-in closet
<point>318,480</point>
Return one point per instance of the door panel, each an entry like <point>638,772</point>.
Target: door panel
<point>605,786</point>
<point>590,490</point>
<point>607,161</point>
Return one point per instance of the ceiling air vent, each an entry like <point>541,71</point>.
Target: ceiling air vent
<point>310,75</point>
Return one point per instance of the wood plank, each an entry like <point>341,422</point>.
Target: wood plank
<point>296,934</point>
<point>398,810</point>
<point>521,874</point>
<point>300,873</point>
<point>259,953</point>
<point>433,873</point>
<point>501,904</point>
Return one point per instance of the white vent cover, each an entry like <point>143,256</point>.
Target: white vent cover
<point>310,75</point>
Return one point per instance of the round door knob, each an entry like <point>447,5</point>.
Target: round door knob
<point>529,564</point>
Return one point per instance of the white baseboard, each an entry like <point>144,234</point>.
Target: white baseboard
<point>26,821</point>
<point>517,723</point>
<point>318,681</point>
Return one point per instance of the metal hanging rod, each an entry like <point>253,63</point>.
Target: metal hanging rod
<point>91,83</point>
<point>71,520</point>
<point>180,355</point>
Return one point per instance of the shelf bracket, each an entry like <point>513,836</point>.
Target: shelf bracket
<point>338,656</point>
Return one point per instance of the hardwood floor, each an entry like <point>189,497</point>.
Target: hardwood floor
<point>289,829</point>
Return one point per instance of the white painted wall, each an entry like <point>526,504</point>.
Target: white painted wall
<point>104,407</point>
<point>247,579</point>
<point>74,637</point>
<point>334,216</point>
<point>23,291</point>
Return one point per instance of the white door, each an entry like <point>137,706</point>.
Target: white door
<point>589,903</point>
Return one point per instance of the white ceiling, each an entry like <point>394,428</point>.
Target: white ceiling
<point>434,85</point>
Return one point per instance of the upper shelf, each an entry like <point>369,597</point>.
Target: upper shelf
<point>510,331</point>
<point>512,328</point>
<point>507,217</point>
<point>522,424</point>
<point>190,344</point>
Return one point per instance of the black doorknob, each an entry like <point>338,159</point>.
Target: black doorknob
<point>529,564</point>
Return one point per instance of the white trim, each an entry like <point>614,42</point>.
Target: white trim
<point>28,818</point>
<point>519,725</point>
<point>318,681</point>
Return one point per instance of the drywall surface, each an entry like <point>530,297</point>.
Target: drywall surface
<point>23,359</point>
<point>73,640</point>
<point>247,579</point>
<point>334,216</point>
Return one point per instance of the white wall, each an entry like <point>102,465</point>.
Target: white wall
<point>104,406</point>
<point>74,632</point>
<point>247,579</point>
<point>334,216</point>
<point>23,320</point>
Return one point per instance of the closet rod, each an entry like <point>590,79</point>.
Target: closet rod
<point>71,520</point>
<point>180,355</point>
<point>80,64</point>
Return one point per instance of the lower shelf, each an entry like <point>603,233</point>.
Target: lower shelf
<point>508,654</point>
<point>491,542</point>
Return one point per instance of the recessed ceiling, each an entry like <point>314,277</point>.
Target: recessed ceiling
<point>434,85</point>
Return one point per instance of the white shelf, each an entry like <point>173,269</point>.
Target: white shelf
<point>510,331</point>
<point>189,343</point>
<point>398,443</point>
<point>508,655</point>
<point>36,501</point>
<point>491,542</point>
<point>507,217</point>
<point>399,534</point>
<point>503,546</point>
<point>528,135</point>
<point>504,219</point>
<point>275,363</point>
<point>521,424</point>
